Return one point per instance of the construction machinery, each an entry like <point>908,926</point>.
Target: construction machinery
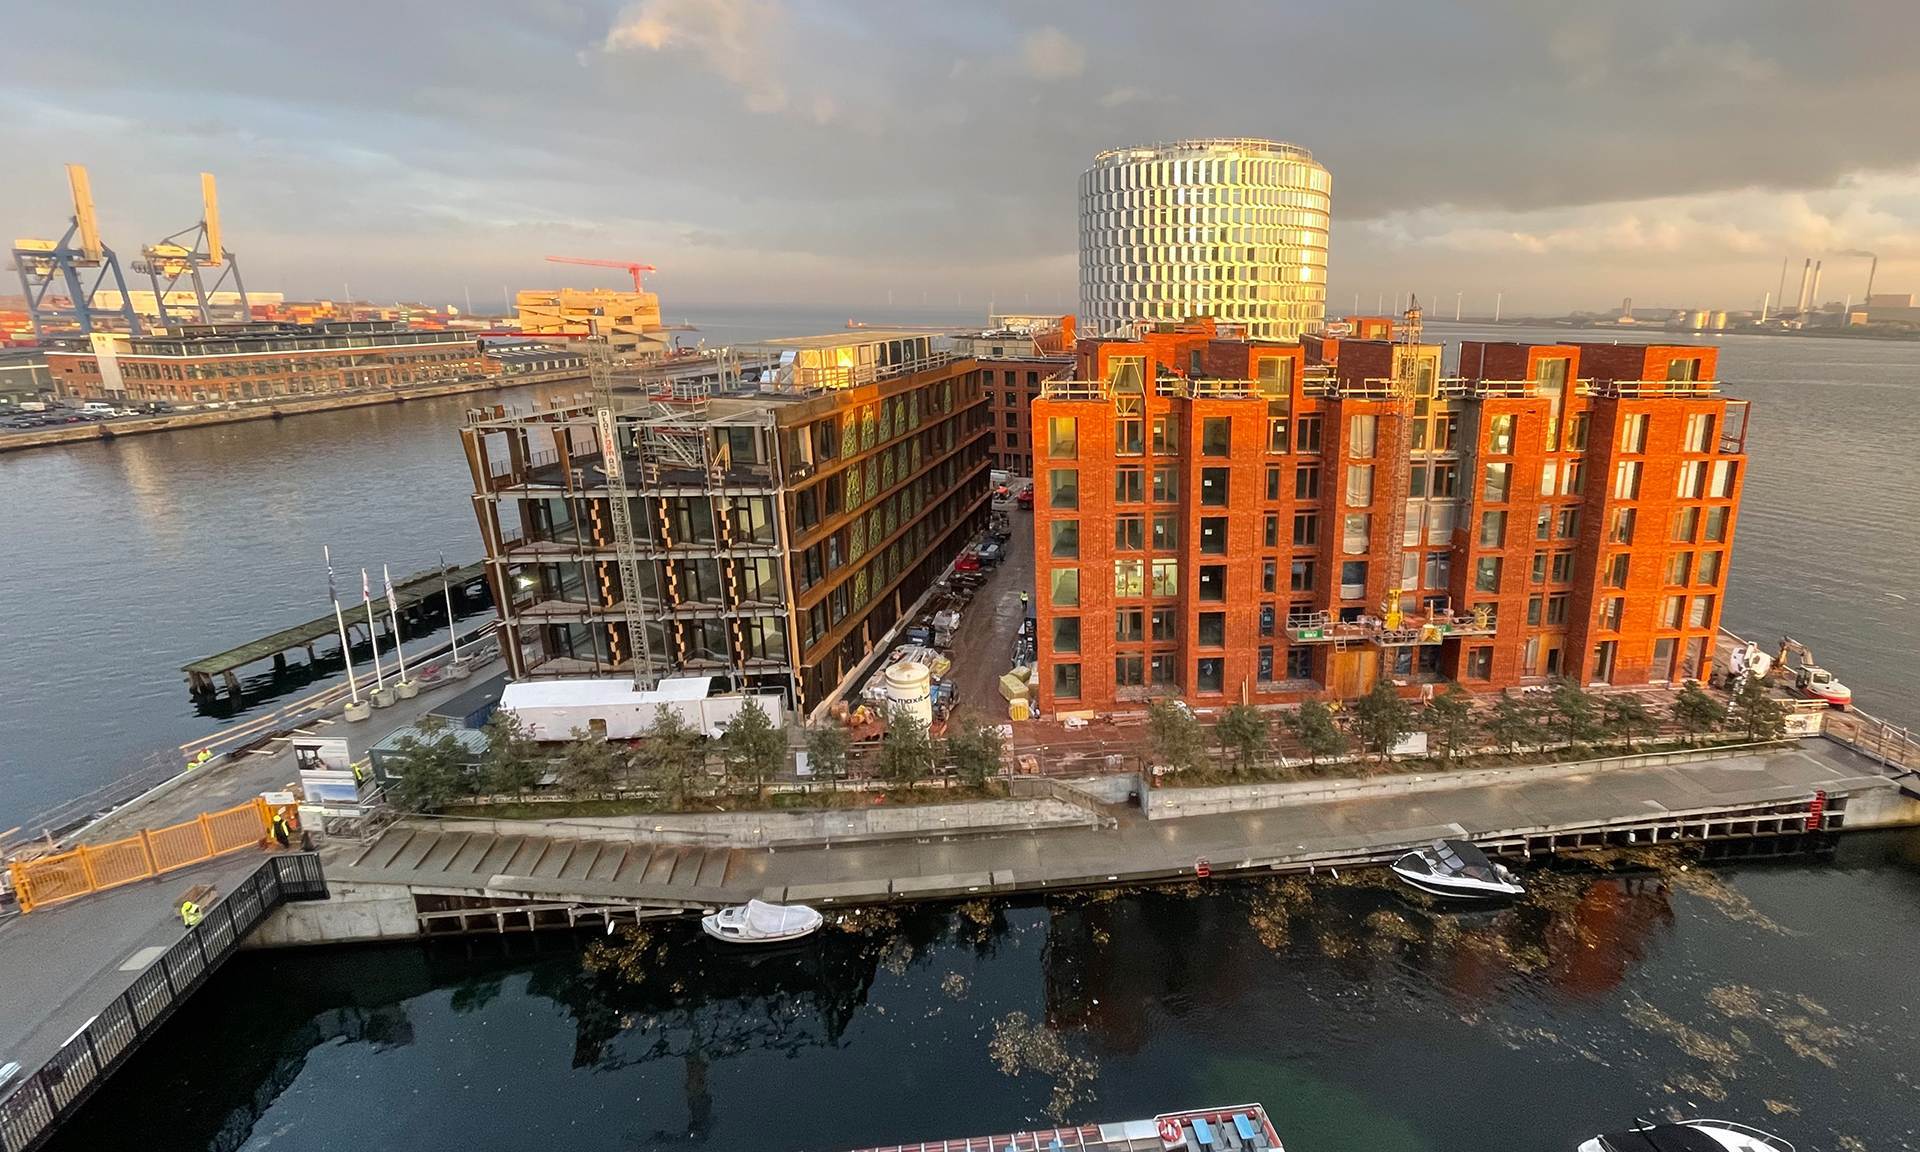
<point>1809,679</point>
<point>632,268</point>
<point>185,255</point>
<point>46,264</point>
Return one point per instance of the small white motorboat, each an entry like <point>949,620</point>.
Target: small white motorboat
<point>1456,869</point>
<point>1688,1136</point>
<point>757,922</point>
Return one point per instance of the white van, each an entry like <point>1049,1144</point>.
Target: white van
<point>96,408</point>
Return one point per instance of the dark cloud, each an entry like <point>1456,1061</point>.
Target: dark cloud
<point>763,148</point>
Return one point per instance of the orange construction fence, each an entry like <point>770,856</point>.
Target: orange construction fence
<point>152,852</point>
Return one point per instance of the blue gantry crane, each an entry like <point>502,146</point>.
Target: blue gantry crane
<point>185,255</point>
<point>68,264</point>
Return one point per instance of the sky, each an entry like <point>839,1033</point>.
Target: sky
<point>772,152</point>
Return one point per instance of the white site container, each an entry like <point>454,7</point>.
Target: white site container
<point>555,709</point>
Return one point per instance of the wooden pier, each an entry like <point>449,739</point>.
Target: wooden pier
<point>418,597</point>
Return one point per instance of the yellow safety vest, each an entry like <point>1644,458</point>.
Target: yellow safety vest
<point>190,913</point>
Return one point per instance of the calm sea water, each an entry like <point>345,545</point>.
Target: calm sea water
<point>123,561</point>
<point>1364,1021</point>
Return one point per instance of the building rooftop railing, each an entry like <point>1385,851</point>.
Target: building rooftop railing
<point>795,378</point>
<point>1648,389</point>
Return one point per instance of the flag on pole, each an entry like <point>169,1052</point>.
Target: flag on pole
<point>333,593</point>
<point>386,578</point>
<point>366,589</point>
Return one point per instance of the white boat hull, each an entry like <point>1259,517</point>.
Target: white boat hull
<point>714,931</point>
<point>1458,889</point>
<point>759,923</point>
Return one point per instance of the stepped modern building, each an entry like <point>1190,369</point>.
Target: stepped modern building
<point>780,527</point>
<point>1231,229</point>
<point>1226,519</point>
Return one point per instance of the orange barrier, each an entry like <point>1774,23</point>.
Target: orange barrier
<point>154,852</point>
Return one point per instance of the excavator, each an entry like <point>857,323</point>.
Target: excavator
<point>1809,679</point>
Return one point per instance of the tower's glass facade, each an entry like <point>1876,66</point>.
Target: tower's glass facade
<point>1228,228</point>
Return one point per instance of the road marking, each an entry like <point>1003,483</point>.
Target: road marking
<point>143,958</point>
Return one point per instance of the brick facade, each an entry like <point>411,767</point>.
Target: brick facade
<point>1331,527</point>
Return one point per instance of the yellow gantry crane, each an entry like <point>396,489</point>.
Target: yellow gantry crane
<point>186,255</point>
<point>47,265</point>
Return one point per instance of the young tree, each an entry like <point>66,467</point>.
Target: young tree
<point>827,751</point>
<point>975,753</point>
<point>1510,723</point>
<point>1381,719</point>
<point>672,757</point>
<point>1572,713</point>
<point>1696,712</point>
<point>753,748</point>
<point>1627,718</point>
<point>1450,719</point>
<point>906,752</point>
<point>1242,730</point>
<point>435,770</point>
<point>589,766</point>
<point>1757,712</point>
<point>1313,726</point>
<point>1176,735</point>
<point>512,764</point>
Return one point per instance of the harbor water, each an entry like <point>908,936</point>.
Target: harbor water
<point>1365,1019</point>
<point>125,560</point>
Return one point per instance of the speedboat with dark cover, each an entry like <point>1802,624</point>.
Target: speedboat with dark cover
<point>1688,1136</point>
<point>1456,869</point>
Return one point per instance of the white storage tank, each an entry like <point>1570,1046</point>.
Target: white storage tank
<point>910,687</point>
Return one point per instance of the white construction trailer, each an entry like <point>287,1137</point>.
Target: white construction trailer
<point>613,708</point>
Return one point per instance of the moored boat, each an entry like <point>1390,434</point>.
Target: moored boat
<point>1688,1136</point>
<point>757,922</point>
<point>1456,869</point>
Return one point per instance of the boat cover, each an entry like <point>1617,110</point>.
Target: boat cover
<point>1663,1138</point>
<point>765,919</point>
<point>1463,858</point>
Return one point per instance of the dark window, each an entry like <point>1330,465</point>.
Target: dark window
<point>1213,629</point>
<point>1213,487</point>
<point>1210,674</point>
<point>1300,663</point>
<point>1128,485</point>
<point>1301,579</point>
<point>1066,633</point>
<point>1213,583</point>
<point>1066,681</point>
<point>1163,625</point>
<point>1306,529</point>
<point>1306,434</point>
<point>1213,535</point>
<point>1216,436</point>
<point>1306,482</point>
<point>1129,625</point>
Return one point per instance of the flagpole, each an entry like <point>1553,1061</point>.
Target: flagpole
<point>393,609</point>
<point>353,686</point>
<point>373,633</point>
<point>453,626</point>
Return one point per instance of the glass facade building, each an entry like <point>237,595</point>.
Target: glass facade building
<point>1232,229</point>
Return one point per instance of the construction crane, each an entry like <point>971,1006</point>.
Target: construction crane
<point>170,260</point>
<point>44,263</point>
<point>632,269</point>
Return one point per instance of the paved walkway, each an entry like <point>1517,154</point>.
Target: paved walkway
<point>60,966</point>
<point>1136,848</point>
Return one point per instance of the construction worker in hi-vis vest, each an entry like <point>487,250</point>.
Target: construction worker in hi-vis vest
<point>190,913</point>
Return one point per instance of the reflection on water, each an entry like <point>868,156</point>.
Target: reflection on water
<point>1364,1016</point>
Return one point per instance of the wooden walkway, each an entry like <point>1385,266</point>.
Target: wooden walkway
<point>409,593</point>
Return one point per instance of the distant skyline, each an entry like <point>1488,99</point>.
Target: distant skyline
<point>804,152</point>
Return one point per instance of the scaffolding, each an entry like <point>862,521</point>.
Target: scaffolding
<point>626,548</point>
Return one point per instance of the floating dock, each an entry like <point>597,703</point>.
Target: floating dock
<point>468,585</point>
<point>1239,1128</point>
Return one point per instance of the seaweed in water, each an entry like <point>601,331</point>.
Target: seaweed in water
<point>1021,1045</point>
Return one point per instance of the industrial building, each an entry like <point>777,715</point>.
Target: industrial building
<point>1016,353</point>
<point>630,321</point>
<point>1232,229</point>
<point>1226,519</point>
<point>224,362</point>
<point>782,523</point>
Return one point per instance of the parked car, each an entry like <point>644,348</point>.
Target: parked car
<point>1025,499</point>
<point>969,561</point>
<point>990,553</point>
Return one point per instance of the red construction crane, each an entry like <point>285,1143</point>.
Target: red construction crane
<point>633,270</point>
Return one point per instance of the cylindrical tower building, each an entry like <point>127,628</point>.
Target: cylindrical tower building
<point>1227,228</point>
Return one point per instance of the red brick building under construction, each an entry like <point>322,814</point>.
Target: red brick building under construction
<point>1225,520</point>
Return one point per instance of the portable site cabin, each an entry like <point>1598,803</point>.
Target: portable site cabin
<point>555,709</point>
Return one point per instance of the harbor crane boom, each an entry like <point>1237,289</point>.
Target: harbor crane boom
<point>632,268</point>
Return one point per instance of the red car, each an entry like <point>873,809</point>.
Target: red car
<point>969,561</point>
<point>1025,499</point>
